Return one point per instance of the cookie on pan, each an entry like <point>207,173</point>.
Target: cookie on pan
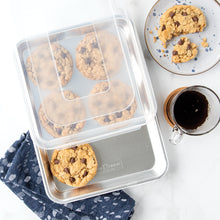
<point>112,101</point>
<point>62,114</point>
<point>180,19</point>
<point>41,70</point>
<point>184,51</point>
<point>98,55</point>
<point>75,166</point>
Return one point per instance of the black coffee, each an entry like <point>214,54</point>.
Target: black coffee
<point>191,109</point>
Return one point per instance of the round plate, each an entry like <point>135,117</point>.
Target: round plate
<point>206,58</point>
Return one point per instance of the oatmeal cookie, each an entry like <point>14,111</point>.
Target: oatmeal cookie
<point>115,98</point>
<point>40,66</point>
<point>96,59</point>
<point>180,19</point>
<point>184,51</point>
<point>75,166</point>
<point>62,114</point>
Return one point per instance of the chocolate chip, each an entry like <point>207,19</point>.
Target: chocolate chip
<point>172,14</point>
<point>63,54</point>
<point>50,124</point>
<point>106,119</point>
<point>73,126</point>
<point>181,42</point>
<point>177,23</point>
<point>175,52</point>
<point>85,174</point>
<point>72,160</point>
<point>74,148</point>
<point>66,170</point>
<point>118,114</point>
<point>56,161</point>
<point>184,13</point>
<point>83,50</point>
<point>83,160</point>
<point>59,131</point>
<point>72,179</point>
<point>94,45</point>
<point>188,47</point>
<point>163,28</point>
<point>195,19</point>
<point>129,108</point>
<point>88,60</point>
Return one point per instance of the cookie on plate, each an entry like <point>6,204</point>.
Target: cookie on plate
<point>40,66</point>
<point>184,51</point>
<point>75,166</point>
<point>62,114</point>
<point>112,102</point>
<point>180,19</point>
<point>97,59</point>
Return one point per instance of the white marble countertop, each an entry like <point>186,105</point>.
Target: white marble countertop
<point>191,188</point>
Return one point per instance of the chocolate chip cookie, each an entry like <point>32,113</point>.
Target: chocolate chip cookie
<point>184,51</point>
<point>112,102</point>
<point>40,66</point>
<point>75,166</point>
<point>98,55</point>
<point>62,114</point>
<point>180,19</point>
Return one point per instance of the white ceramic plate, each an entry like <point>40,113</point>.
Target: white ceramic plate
<point>206,58</point>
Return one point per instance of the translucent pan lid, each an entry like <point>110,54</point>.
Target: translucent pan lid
<point>77,71</point>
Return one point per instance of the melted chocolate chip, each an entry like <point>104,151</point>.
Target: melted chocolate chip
<point>50,124</point>
<point>175,52</point>
<point>74,148</point>
<point>195,19</point>
<point>83,160</point>
<point>88,60</point>
<point>66,170</point>
<point>172,14</point>
<point>188,47</point>
<point>163,28</point>
<point>73,126</point>
<point>83,50</point>
<point>177,23</point>
<point>72,160</point>
<point>63,54</point>
<point>59,131</point>
<point>129,108</point>
<point>106,119</point>
<point>118,114</point>
<point>94,45</point>
<point>72,179</point>
<point>181,42</point>
<point>184,13</point>
<point>85,174</point>
<point>56,161</point>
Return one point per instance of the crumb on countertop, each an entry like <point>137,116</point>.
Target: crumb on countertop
<point>151,32</point>
<point>162,51</point>
<point>155,39</point>
<point>156,28</point>
<point>204,42</point>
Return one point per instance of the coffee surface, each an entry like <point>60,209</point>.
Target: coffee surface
<point>191,109</point>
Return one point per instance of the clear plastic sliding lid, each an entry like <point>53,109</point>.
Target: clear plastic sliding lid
<point>76,69</point>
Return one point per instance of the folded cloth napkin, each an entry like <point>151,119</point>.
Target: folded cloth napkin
<point>19,170</point>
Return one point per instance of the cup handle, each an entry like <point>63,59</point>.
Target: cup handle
<point>176,136</point>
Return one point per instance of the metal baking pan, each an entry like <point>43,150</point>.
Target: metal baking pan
<point>123,161</point>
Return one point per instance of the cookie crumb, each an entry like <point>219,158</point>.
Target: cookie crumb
<point>151,32</point>
<point>155,39</point>
<point>204,42</point>
<point>156,28</point>
<point>164,46</point>
<point>162,51</point>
